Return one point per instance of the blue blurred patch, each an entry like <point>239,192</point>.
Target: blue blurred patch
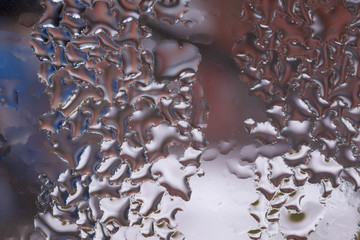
<point>16,67</point>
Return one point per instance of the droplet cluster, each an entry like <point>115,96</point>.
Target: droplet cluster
<point>126,117</point>
<point>302,59</point>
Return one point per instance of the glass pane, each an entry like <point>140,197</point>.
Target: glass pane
<point>144,119</point>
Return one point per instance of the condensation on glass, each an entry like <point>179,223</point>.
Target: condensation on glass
<point>128,117</point>
<point>302,59</point>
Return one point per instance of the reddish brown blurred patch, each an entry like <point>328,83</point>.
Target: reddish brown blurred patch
<point>222,93</point>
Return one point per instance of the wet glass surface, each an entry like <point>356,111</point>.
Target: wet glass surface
<point>143,119</point>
